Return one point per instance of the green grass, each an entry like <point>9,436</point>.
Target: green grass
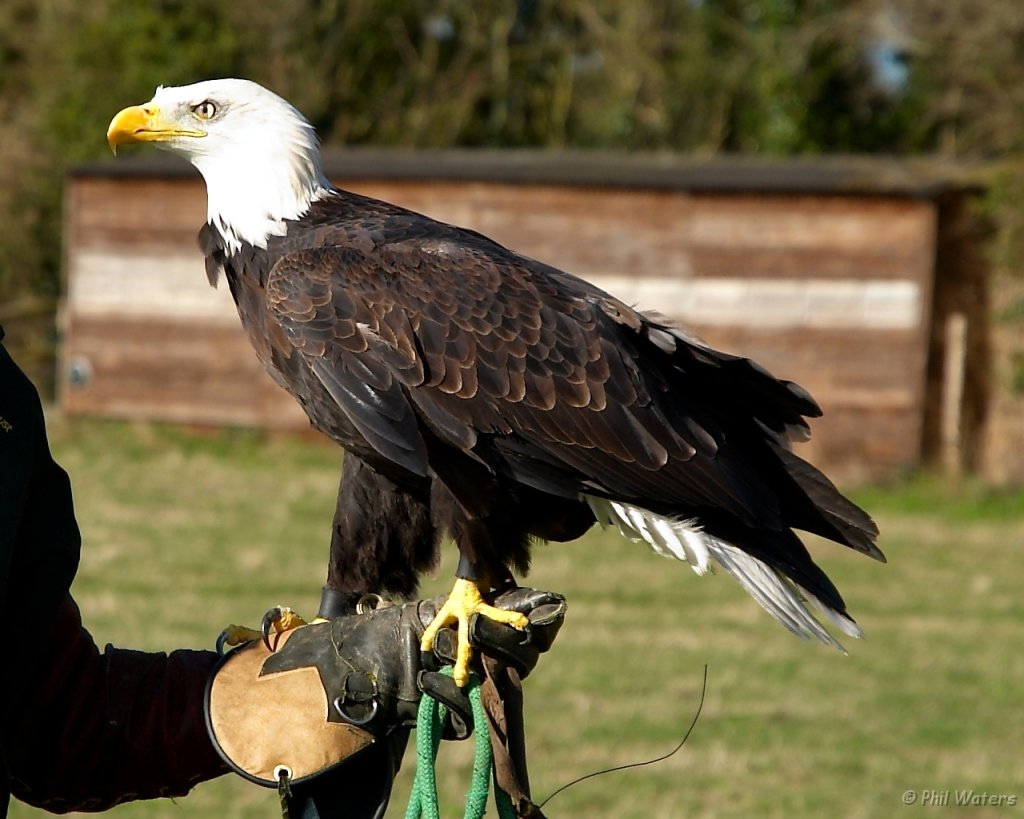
<point>186,531</point>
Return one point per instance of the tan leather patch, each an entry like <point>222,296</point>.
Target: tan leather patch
<point>279,719</point>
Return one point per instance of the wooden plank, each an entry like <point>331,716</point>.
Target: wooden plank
<point>171,371</point>
<point>838,224</point>
<point>126,213</point>
<point>861,445</point>
<point>140,281</point>
<point>953,376</point>
<point>760,263</point>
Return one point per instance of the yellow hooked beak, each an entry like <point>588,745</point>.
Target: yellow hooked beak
<point>144,123</point>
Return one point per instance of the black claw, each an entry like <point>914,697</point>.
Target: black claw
<point>271,617</point>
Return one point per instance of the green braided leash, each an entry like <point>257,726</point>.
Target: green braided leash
<point>429,727</point>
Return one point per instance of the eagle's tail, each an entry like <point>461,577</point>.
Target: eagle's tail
<point>825,511</point>
<point>787,600</point>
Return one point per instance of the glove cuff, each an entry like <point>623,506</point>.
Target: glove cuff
<point>259,721</point>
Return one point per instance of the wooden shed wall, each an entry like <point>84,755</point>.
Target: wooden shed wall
<point>831,291</point>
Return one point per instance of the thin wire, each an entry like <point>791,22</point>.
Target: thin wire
<point>661,758</point>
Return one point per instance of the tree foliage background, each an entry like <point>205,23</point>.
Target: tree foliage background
<point>778,77</point>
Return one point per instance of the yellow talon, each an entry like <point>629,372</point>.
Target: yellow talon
<point>278,619</point>
<point>236,635</point>
<point>286,619</point>
<point>464,601</point>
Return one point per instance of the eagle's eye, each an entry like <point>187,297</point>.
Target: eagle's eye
<point>204,110</point>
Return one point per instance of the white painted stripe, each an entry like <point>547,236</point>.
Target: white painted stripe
<point>137,285</point>
<point>778,303</point>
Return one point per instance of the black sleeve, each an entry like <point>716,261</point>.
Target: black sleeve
<point>81,729</point>
<point>91,730</point>
<point>39,538</point>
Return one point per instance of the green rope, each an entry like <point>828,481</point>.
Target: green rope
<point>429,727</point>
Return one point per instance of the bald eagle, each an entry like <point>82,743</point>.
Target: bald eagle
<point>485,396</point>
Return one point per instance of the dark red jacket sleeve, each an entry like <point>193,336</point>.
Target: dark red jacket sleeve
<point>90,730</point>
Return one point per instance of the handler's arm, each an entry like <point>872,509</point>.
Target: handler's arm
<point>95,729</point>
<point>78,729</point>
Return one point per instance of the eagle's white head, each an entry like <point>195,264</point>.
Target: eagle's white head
<point>258,154</point>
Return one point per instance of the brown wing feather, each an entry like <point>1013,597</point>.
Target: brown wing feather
<point>360,350</point>
<point>481,341</point>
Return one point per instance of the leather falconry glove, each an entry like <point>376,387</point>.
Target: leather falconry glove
<point>325,716</point>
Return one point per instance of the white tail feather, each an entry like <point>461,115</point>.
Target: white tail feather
<point>685,540</point>
<point>668,538</point>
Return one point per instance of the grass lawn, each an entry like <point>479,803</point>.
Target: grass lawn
<point>185,532</point>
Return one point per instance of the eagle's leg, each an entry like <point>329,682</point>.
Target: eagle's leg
<point>465,600</point>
